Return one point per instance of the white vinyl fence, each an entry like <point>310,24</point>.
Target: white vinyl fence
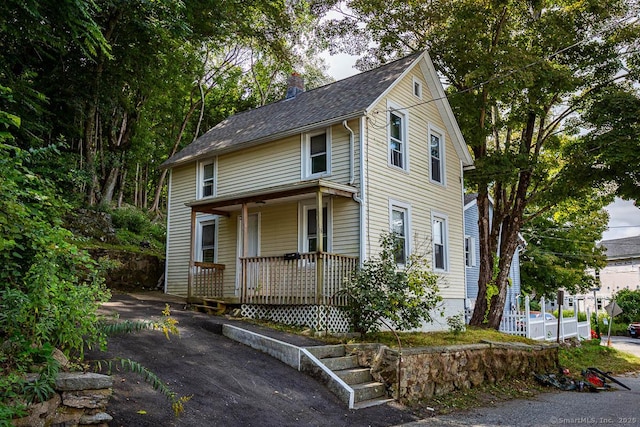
<point>537,328</point>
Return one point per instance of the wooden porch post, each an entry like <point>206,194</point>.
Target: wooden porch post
<point>192,250</point>
<point>319,247</point>
<point>245,249</point>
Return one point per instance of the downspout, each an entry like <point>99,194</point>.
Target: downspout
<point>358,197</point>
<point>351,153</point>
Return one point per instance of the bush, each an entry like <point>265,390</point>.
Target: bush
<point>380,290</point>
<point>50,290</point>
<point>131,219</point>
<point>569,314</point>
<point>629,302</point>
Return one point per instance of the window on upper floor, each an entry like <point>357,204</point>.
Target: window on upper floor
<point>399,226</point>
<point>417,88</point>
<point>436,155</point>
<point>207,179</point>
<point>440,243</point>
<point>316,154</point>
<point>398,137</point>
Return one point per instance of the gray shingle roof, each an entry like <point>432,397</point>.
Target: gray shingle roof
<point>337,101</point>
<point>627,247</point>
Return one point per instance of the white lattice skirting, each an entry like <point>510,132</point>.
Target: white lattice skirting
<point>316,317</point>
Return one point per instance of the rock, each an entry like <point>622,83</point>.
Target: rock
<point>69,381</point>
<point>99,418</point>
<point>39,413</point>
<point>93,399</point>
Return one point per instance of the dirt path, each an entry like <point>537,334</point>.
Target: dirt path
<point>230,384</point>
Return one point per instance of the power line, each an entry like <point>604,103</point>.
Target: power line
<point>517,70</point>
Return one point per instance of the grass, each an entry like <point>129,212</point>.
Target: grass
<point>592,354</point>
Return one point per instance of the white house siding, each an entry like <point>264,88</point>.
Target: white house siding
<point>415,188</point>
<point>182,190</point>
<point>340,153</point>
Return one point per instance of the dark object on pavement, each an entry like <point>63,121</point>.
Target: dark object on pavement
<point>593,380</point>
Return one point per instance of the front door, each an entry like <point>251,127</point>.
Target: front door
<point>253,249</point>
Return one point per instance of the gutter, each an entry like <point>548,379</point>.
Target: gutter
<point>167,164</point>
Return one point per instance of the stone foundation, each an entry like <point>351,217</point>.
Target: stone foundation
<point>80,400</point>
<point>434,371</point>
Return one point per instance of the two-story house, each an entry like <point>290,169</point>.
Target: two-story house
<point>273,207</point>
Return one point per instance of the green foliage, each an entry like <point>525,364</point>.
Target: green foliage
<point>562,245</point>
<point>629,302</point>
<point>130,219</point>
<point>591,353</point>
<point>569,314</point>
<point>456,324</point>
<point>381,291</point>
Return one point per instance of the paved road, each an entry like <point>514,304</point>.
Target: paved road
<point>626,344</point>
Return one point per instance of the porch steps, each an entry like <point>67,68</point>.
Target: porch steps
<point>210,306</point>
<point>366,391</point>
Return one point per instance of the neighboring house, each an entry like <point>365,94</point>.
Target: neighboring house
<point>472,255</point>
<point>273,207</point>
<point>621,272</point>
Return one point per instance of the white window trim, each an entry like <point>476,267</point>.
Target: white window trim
<point>413,88</point>
<point>443,154</point>
<point>306,157</point>
<point>404,113</point>
<point>303,208</point>
<point>472,251</point>
<point>407,208</point>
<point>444,218</point>
<point>200,177</point>
<point>200,222</point>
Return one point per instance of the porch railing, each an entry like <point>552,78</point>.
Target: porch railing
<point>311,278</point>
<point>206,280</point>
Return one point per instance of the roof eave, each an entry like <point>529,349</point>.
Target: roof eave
<point>241,146</point>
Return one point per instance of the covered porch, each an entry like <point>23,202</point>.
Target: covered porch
<point>292,277</point>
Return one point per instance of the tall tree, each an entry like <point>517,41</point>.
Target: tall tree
<point>516,71</point>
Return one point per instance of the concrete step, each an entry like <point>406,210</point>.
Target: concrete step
<point>372,402</point>
<point>340,363</point>
<point>355,375</point>
<point>324,351</point>
<point>368,391</point>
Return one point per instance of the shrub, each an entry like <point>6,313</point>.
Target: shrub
<point>130,219</point>
<point>381,292</point>
<point>50,290</point>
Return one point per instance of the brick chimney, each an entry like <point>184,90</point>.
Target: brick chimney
<point>295,85</point>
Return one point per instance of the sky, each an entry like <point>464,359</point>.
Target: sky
<point>624,216</point>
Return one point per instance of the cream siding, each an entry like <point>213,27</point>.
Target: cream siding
<point>179,231</point>
<point>414,187</point>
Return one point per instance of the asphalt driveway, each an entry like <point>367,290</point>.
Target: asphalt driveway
<point>229,384</point>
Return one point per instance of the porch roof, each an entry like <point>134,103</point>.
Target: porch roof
<point>223,205</point>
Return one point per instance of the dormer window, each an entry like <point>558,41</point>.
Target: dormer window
<point>316,149</point>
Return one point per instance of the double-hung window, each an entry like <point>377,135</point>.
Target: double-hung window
<point>469,251</point>
<point>207,179</point>
<point>398,120</point>
<point>310,231</point>
<point>439,230</point>
<point>207,240</point>
<point>436,155</point>
<point>399,225</point>
<point>317,154</point>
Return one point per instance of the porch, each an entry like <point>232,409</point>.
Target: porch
<point>270,266</point>
<point>292,279</point>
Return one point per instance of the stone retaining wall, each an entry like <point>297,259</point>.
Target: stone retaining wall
<point>80,400</point>
<point>430,371</point>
